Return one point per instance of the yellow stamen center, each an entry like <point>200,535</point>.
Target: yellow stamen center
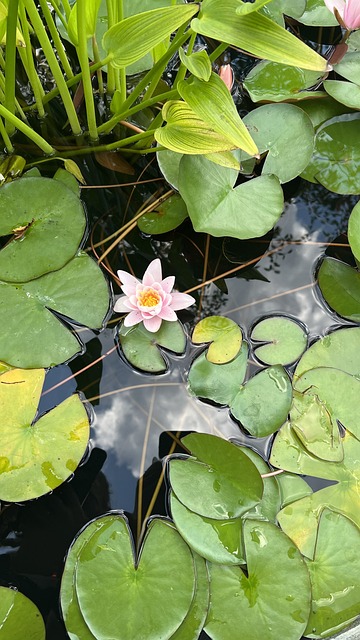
<point>149,298</point>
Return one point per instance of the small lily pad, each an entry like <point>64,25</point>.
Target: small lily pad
<point>166,217</point>
<point>140,347</point>
<point>354,231</point>
<point>225,337</point>
<point>286,340</point>
<point>19,617</point>
<point>277,82</point>
<point>340,285</point>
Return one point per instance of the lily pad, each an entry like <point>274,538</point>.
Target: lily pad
<point>219,481</point>
<point>317,14</point>
<point>191,627</point>
<point>347,93</point>
<point>339,349</point>
<point>349,65</point>
<point>340,286</point>
<point>225,337</point>
<point>275,82</point>
<point>19,617</point>
<point>119,590</point>
<point>292,488</point>
<point>35,337</point>
<point>258,605</point>
<point>37,456</point>
<point>285,340</point>
<point>140,347</point>
<point>268,507</point>
<point>334,575</point>
<point>166,217</point>
<point>216,207</point>
<point>169,162</point>
<point>354,231</point>
<point>47,222</point>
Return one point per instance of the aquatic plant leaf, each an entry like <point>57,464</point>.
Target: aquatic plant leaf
<point>320,110</point>
<point>47,222</point>
<point>198,63</point>
<point>340,286</point>
<point>349,66</point>
<point>339,349</point>
<point>169,163</point>
<point>347,93</point>
<point>91,12</point>
<point>285,340</point>
<point>219,481</point>
<point>224,334</point>
<point>278,129</point>
<point>334,575</point>
<point>131,38</point>
<point>254,33</point>
<point>68,179</point>
<point>354,231</point>
<point>119,590</point>
<point>292,488</point>
<point>256,605</point>
<point>140,346</point>
<point>19,617</point>
<point>193,623</point>
<point>219,383</point>
<point>316,14</point>
<point>245,7</point>
<point>213,103</point>
<point>336,155</point>
<point>35,337</point>
<point>262,404</point>
<point>216,207</point>
<point>277,82</point>
<point>167,216</point>
<point>269,505</point>
<point>300,519</point>
<point>36,457</point>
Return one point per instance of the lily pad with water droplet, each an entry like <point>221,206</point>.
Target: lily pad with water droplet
<point>225,337</point>
<point>37,456</point>
<point>271,600</point>
<point>219,481</point>
<point>19,617</point>
<point>140,346</point>
<point>340,286</point>
<point>285,340</point>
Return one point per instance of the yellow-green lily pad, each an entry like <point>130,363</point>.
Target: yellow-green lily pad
<point>225,337</point>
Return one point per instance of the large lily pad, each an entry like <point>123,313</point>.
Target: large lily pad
<point>285,340</point>
<point>216,207</point>
<point>19,617</point>
<point>276,82</point>
<point>339,349</point>
<point>340,285</point>
<point>37,456</point>
<point>34,336</point>
<point>140,346</point>
<point>47,222</point>
<point>316,14</point>
<point>225,337</point>
<point>271,601</point>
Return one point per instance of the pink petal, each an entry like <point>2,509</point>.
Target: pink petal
<point>351,15</point>
<point>167,313</point>
<point>168,283</point>
<point>336,4</point>
<point>128,281</point>
<point>181,301</point>
<point>153,273</point>
<point>134,317</point>
<point>226,75</point>
<point>120,305</point>
<point>152,324</point>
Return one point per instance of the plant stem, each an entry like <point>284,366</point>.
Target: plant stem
<point>10,62</point>
<point>67,8</point>
<point>95,49</point>
<point>30,68</point>
<point>107,126</point>
<point>24,128</point>
<point>160,70</point>
<point>182,69</point>
<point>5,137</point>
<point>218,51</point>
<point>56,38</point>
<point>113,146</point>
<point>84,65</point>
<point>120,16</point>
<point>110,70</point>
<point>58,12</point>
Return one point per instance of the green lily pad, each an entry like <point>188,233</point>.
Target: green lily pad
<point>219,383</point>
<point>336,155</point>
<point>354,231</point>
<point>268,507</point>
<point>340,286</point>
<point>19,617</point>
<point>262,404</point>
<point>317,14</point>
<point>349,66</point>
<point>119,590</point>
<point>216,207</point>
<point>36,457</point>
<point>285,340</point>
<point>219,481</point>
<point>322,109</point>
<point>169,162</point>
<point>300,519</point>
<point>339,349</point>
<point>278,129</point>
<point>347,93</point>
<point>225,337</point>
<point>166,217</point>
<point>276,82</point>
<point>191,627</point>
<point>271,601</point>
<point>47,221</point>
<point>35,337</point>
<point>334,575</point>
<point>292,488</point>
<point>140,346</point>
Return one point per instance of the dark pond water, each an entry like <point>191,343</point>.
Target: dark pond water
<point>133,412</point>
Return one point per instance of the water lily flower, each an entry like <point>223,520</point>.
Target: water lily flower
<point>347,12</point>
<point>152,300</point>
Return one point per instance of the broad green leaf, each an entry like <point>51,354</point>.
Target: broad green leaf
<point>212,102</point>
<point>322,109</point>
<point>285,340</point>
<point>272,600</point>
<point>167,216</point>
<point>349,66</point>
<point>225,337</point>
<point>36,457</point>
<point>169,163</point>
<point>292,488</point>
<point>339,349</point>
<point>354,231</point>
<point>219,383</point>
<point>218,481</point>
<point>340,285</point>
<point>216,207</point>
<point>263,403</point>
<point>316,14</point>
<point>91,12</point>
<point>277,82</point>
<point>19,617</point>
<point>347,93</point>
<point>68,180</point>
<point>35,337</point>
<point>193,623</point>
<point>254,33</point>
<point>279,129</point>
<point>336,155</point>
<point>334,575</point>
<point>353,41</point>
<point>227,159</point>
<point>121,590</point>
<point>245,8</point>
<point>130,39</point>
<point>293,8</point>
<point>140,346</point>
<point>47,222</point>
<point>269,505</point>
<point>197,63</point>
